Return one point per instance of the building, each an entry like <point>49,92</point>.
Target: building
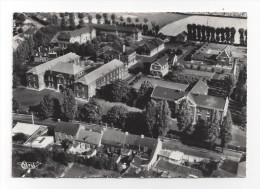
<point>171,156</point>
<point>214,54</point>
<point>85,87</point>
<point>68,131</point>
<point>181,37</point>
<point>110,55</point>
<point>160,67</point>
<point>203,105</point>
<point>57,74</point>
<point>41,142</point>
<point>129,57</point>
<point>120,31</point>
<point>80,36</point>
<point>149,47</point>
<point>44,54</point>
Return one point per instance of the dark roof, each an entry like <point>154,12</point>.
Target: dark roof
<point>207,101</point>
<point>111,52</point>
<point>164,93</point>
<point>183,171</point>
<point>114,28</point>
<point>129,51</point>
<point>68,68</point>
<point>113,137</point>
<point>67,128</point>
<point>200,87</point>
<point>31,31</point>
<point>163,60</point>
<point>89,137</point>
<point>137,161</point>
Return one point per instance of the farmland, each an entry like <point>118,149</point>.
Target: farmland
<point>178,26</point>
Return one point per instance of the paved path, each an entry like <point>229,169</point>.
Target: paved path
<point>67,169</point>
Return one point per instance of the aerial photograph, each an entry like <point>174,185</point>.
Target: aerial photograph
<point>129,95</point>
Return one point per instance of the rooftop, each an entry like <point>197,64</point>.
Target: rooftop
<point>208,101</point>
<point>103,70</point>
<point>68,68</point>
<point>163,60</point>
<point>26,128</point>
<point>47,65</point>
<point>114,28</point>
<point>200,87</point>
<point>66,35</point>
<point>67,128</point>
<point>164,93</point>
<point>89,137</point>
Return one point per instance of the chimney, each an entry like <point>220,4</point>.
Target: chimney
<point>123,48</point>
<point>126,133</point>
<point>90,129</point>
<point>58,120</point>
<point>142,136</point>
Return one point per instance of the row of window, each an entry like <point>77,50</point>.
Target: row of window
<point>199,111</point>
<point>31,77</point>
<point>199,117</point>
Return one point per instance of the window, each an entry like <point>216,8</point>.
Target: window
<point>208,118</point>
<point>145,149</point>
<point>83,88</point>
<point>77,87</point>
<point>198,110</point>
<point>34,78</point>
<point>199,117</point>
<point>208,112</point>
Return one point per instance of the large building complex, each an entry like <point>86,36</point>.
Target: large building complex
<point>69,72</point>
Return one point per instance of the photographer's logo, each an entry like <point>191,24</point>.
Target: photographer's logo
<point>29,165</point>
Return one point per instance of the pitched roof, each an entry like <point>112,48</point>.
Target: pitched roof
<point>26,128</point>
<point>162,61</point>
<point>179,169</point>
<point>68,68</point>
<point>67,128</point>
<point>164,93</point>
<point>89,137</point>
<point>103,70</point>
<point>200,87</point>
<point>66,35</point>
<point>208,101</point>
<point>165,153</point>
<point>47,65</point>
<point>114,28</point>
<point>153,43</point>
<point>136,162</point>
<point>113,137</point>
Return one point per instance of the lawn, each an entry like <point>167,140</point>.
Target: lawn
<point>160,83</point>
<point>239,137</point>
<point>28,97</point>
<point>81,171</point>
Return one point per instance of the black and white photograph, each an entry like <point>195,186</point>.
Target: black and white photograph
<point>129,94</point>
<point>141,94</point>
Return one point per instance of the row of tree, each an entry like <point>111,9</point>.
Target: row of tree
<point>211,34</point>
<point>204,131</point>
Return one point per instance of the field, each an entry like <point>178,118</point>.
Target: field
<point>178,26</point>
<point>160,83</point>
<point>81,171</point>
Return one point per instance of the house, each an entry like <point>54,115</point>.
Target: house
<point>214,54</point>
<point>160,67</point>
<point>171,170</point>
<point>203,106</point>
<point>171,156</point>
<point>80,36</point>
<point>181,37</point>
<point>110,55</point>
<point>145,148</point>
<point>86,142</point>
<point>30,32</point>
<point>40,142</point>
<point>120,31</point>
<point>85,87</point>
<point>44,54</point>
<point>25,128</point>
<point>69,131</point>
<point>149,47</point>
<point>129,57</point>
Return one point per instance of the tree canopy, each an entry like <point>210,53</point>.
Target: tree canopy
<point>184,117</point>
<point>91,112</point>
<point>46,107</point>
<point>117,116</point>
<point>69,105</point>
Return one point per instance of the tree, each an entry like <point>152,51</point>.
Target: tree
<point>226,130</point>
<point>136,20</point>
<point>113,18</point>
<point>216,117</point>
<point>178,52</point>
<point>150,117</point>
<point>121,18</point>
<point>144,93</point>
<point>244,117</point>
<point>46,107</point>
<point>104,16</point>
<point>129,20</point>
<point>212,133</point>
<point>246,37</point>
<point>194,33</point>
<point>117,115</point>
<point>164,116</point>
<point>15,105</point>
<point>184,117</point>
<point>69,105</point>
<point>20,30</point>
<point>232,35</point>
<point>81,15</point>
<point>98,17</point>
<point>222,31</point>
<point>203,34</point>
<point>217,35</point>
<point>81,23</point>
<point>63,24</point>
<point>19,138</point>
<point>242,77</point>
<point>228,34</point>
<point>199,32</point>
<point>145,20</point>
<point>189,28</point>
<point>91,112</point>
<point>90,18</point>
<point>72,21</point>
<point>118,90</point>
<point>241,33</point>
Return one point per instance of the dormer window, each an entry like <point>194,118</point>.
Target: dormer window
<point>208,112</point>
<point>145,149</point>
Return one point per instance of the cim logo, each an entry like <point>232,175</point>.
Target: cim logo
<point>29,165</point>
